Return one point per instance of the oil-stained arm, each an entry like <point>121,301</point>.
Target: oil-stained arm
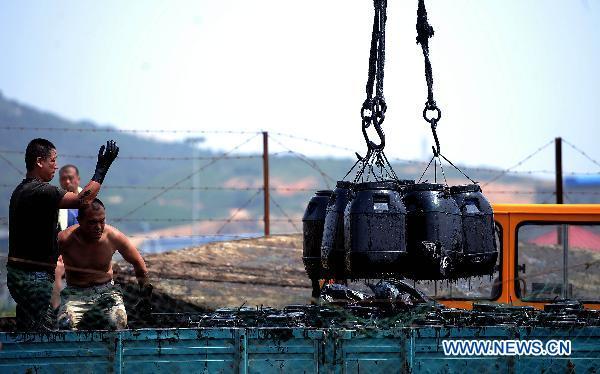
<point>131,255</point>
<point>72,200</point>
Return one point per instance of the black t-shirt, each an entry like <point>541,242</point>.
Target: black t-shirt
<point>33,225</point>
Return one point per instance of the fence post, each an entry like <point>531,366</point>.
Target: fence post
<point>563,230</point>
<point>266,182</point>
<point>558,163</point>
<point>194,141</point>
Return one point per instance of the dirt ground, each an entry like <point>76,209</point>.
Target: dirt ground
<point>262,271</point>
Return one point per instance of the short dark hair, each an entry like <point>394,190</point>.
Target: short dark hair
<point>38,147</point>
<point>94,205</point>
<point>60,171</point>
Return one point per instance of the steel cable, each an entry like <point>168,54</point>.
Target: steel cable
<point>284,213</point>
<point>186,178</point>
<point>239,209</point>
<point>309,162</point>
<point>503,173</point>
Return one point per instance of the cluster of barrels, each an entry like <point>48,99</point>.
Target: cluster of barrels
<point>420,231</point>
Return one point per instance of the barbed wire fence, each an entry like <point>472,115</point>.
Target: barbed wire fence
<point>241,217</point>
<point>277,138</point>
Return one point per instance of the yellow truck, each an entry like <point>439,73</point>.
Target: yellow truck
<point>547,252</point>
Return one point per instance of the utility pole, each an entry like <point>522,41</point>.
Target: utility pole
<point>194,142</point>
<point>563,230</point>
<point>266,182</point>
<point>559,176</point>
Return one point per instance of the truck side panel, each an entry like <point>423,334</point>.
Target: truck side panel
<point>283,350</point>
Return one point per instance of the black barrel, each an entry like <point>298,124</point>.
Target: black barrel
<point>332,246</point>
<point>374,222</point>
<point>479,245</point>
<point>405,182</point>
<point>433,231</point>
<point>312,230</point>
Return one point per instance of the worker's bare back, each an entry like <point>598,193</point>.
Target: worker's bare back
<point>88,263</point>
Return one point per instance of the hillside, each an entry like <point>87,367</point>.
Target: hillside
<point>226,186</point>
<point>146,167</point>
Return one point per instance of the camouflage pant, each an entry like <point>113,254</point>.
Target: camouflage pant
<point>98,308</point>
<point>31,291</point>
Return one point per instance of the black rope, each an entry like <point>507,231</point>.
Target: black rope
<point>431,112</point>
<point>443,174</point>
<point>353,166</point>
<point>392,172</point>
<point>456,167</point>
<point>373,56</point>
<point>373,109</point>
<point>424,32</point>
<point>382,19</point>
<point>426,168</point>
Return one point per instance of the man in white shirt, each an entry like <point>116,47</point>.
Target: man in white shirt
<point>69,180</point>
<point>68,177</point>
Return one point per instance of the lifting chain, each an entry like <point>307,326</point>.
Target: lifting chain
<point>431,112</point>
<point>374,107</point>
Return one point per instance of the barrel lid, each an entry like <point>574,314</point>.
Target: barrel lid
<point>424,187</point>
<point>560,305</point>
<point>379,185</point>
<point>324,193</point>
<point>344,184</point>
<point>465,188</point>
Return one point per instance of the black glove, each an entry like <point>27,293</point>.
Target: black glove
<point>146,290</point>
<point>143,308</point>
<point>106,156</point>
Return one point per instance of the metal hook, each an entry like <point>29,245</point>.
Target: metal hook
<point>372,145</point>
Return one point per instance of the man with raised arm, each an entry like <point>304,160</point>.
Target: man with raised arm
<point>91,300</point>
<point>33,229</point>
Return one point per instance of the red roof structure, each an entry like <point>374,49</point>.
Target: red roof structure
<point>579,237</point>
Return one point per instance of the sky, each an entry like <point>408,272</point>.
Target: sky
<point>509,75</point>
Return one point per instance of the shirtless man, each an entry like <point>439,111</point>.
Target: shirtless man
<point>91,300</point>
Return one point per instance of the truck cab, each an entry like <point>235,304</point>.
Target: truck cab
<point>546,252</point>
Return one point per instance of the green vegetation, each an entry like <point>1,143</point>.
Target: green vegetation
<point>80,148</point>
